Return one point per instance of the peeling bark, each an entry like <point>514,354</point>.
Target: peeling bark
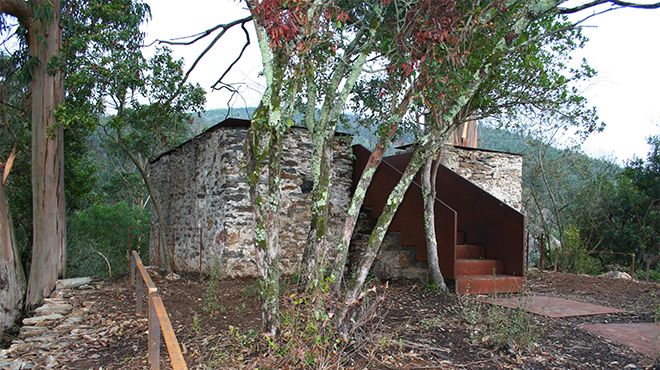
<point>12,279</point>
<point>49,218</point>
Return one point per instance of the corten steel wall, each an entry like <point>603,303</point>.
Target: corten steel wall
<point>408,221</point>
<point>460,205</point>
<point>486,220</point>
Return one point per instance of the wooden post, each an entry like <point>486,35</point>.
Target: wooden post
<point>138,296</point>
<point>131,270</point>
<point>633,266</point>
<point>154,335</point>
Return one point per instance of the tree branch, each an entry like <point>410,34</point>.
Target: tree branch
<point>240,55</point>
<point>19,9</point>
<point>623,4</point>
<point>198,36</point>
<point>225,28</point>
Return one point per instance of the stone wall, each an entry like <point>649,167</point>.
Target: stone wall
<point>498,173</point>
<point>204,196</point>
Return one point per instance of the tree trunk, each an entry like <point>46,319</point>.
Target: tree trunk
<point>166,260</point>
<point>12,279</point>
<point>429,175</point>
<point>265,200</point>
<point>353,212</point>
<point>315,251</point>
<point>393,201</point>
<point>48,209</point>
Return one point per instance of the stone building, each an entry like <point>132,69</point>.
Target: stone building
<point>203,191</point>
<point>204,196</point>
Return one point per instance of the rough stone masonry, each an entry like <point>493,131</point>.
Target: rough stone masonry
<point>204,195</point>
<point>203,191</point>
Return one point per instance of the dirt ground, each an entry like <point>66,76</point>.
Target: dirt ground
<point>415,328</point>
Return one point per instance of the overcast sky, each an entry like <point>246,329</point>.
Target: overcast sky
<point>624,48</point>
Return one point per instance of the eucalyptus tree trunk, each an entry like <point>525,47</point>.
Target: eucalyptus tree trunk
<point>429,176</point>
<point>48,209</point>
<point>12,290</point>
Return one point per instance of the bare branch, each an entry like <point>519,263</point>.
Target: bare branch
<point>240,55</point>
<point>621,4</point>
<point>200,35</point>
<point>225,28</point>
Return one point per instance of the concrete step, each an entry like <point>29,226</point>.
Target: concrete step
<point>486,284</point>
<point>469,251</point>
<point>471,266</point>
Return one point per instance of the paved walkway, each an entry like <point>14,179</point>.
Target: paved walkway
<point>57,324</point>
<point>641,337</point>
<point>552,306</point>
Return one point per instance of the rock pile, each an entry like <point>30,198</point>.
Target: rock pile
<point>54,323</point>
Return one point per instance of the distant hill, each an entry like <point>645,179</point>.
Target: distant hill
<point>489,137</point>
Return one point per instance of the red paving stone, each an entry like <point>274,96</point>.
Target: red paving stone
<point>643,337</point>
<point>551,306</point>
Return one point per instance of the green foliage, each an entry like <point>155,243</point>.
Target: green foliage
<point>106,230</point>
<point>513,329</point>
<point>626,215</point>
<point>503,328</point>
<point>652,275</point>
<point>573,255</point>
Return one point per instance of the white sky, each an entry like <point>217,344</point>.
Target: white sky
<point>624,48</point>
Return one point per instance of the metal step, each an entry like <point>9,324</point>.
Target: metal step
<point>471,266</point>
<point>469,251</point>
<point>486,284</point>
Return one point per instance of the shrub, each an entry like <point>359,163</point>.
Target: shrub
<point>212,292</point>
<point>573,256</point>
<point>514,329</point>
<point>98,239</point>
<point>500,327</point>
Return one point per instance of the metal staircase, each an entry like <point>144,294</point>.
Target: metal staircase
<point>485,256</point>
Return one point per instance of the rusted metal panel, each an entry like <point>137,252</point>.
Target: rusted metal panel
<point>460,205</point>
<point>486,220</point>
<point>642,337</point>
<point>552,306</point>
<point>408,221</point>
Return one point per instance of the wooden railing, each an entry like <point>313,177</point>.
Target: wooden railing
<point>159,321</point>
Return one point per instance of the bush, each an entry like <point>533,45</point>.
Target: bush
<point>99,236</point>
<point>573,255</point>
<point>500,327</point>
<point>653,274</point>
